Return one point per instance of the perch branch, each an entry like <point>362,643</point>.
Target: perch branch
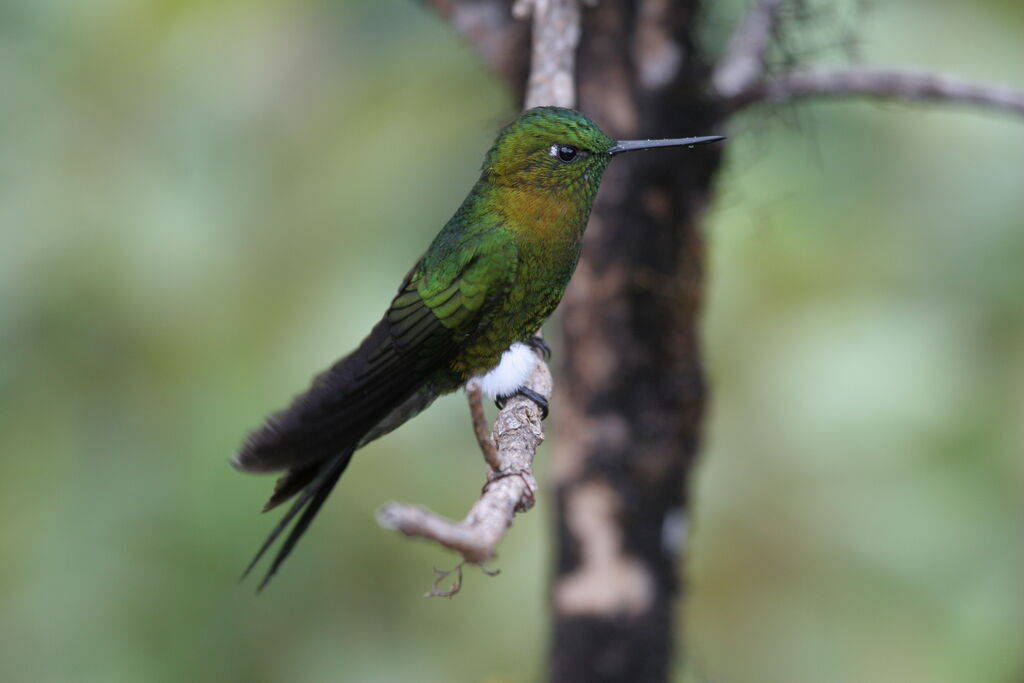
<point>743,62</point>
<point>509,489</point>
<point>909,86</point>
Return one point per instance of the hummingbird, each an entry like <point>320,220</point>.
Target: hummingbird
<point>469,308</point>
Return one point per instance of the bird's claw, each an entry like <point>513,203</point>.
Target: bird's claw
<point>537,343</point>
<point>525,392</point>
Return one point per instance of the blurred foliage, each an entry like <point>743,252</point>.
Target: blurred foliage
<point>203,203</point>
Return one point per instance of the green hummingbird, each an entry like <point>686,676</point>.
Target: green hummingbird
<point>469,308</point>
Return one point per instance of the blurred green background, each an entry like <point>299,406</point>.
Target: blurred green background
<point>204,203</point>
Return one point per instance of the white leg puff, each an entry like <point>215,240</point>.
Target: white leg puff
<point>512,371</point>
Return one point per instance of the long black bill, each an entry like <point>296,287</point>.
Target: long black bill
<point>631,145</point>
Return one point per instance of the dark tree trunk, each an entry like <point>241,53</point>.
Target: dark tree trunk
<point>630,387</point>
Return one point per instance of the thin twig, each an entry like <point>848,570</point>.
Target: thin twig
<point>909,86</point>
<point>744,58</point>
<point>439,575</point>
<point>483,434</point>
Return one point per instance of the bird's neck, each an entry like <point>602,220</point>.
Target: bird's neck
<point>541,217</point>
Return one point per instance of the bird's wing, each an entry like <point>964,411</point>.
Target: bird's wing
<point>443,301</point>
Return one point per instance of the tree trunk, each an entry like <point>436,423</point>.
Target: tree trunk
<point>630,386</point>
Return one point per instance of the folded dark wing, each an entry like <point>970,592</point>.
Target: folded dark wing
<point>434,313</point>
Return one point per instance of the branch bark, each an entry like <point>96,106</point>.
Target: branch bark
<point>556,33</point>
<point>484,436</point>
<point>894,84</point>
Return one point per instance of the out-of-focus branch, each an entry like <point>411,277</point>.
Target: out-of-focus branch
<point>518,431</point>
<point>743,62</point>
<point>556,33</point>
<point>894,84</point>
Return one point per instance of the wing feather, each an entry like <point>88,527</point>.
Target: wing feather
<point>435,312</point>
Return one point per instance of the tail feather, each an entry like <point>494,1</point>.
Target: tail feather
<point>291,483</point>
<point>340,407</point>
<point>309,503</point>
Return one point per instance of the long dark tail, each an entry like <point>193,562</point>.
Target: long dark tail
<point>308,503</point>
<point>365,394</point>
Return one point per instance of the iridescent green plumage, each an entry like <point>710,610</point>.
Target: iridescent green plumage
<point>489,279</point>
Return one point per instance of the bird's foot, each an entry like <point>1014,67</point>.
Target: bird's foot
<point>537,343</point>
<point>525,392</point>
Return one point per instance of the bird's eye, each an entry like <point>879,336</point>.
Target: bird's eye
<point>565,153</point>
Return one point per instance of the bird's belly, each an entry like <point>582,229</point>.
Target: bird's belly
<point>510,373</point>
<point>495,351</point>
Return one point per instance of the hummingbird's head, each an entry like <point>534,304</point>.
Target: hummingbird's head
<point>552,149</point>
<point>561,152</point>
